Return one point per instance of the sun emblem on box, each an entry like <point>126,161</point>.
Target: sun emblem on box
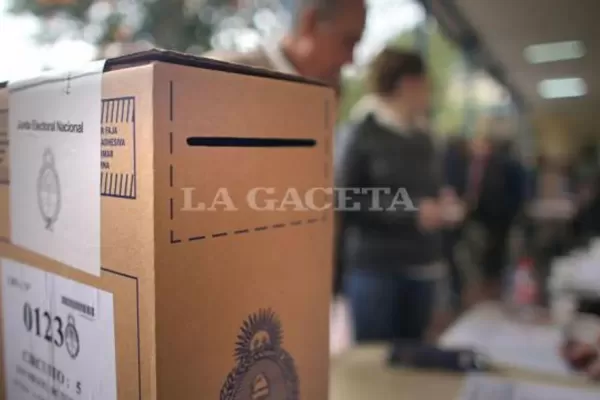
<point>264,370</point>
<point>48,190</point>
<point>72,338</point>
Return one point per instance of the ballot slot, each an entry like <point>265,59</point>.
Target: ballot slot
<point>206,141</point>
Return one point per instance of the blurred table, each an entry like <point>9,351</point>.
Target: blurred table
<point>361,373</point>
<point>491,330</point>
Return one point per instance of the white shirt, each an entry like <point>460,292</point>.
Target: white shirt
<point>372,104</point>
<point>390,119</point>
<point>382,113</point>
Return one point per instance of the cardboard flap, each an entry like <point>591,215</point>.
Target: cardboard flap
<point>175,57</point>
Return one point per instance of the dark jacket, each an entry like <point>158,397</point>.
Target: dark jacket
<point>378,232</point>
<point>502,193</point>
<point>456,165</point>
<point>502,189</point>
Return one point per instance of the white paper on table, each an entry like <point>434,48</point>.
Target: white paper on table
<point>551,392</point>
<point>54,139</point>
<point>482,387</point>
<point>585,328</point>
<point>473,328</point>
<point>490,332</point>
<point>531,347</point>
<point>588,273</point>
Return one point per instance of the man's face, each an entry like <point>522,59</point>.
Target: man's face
<point>331,42</point>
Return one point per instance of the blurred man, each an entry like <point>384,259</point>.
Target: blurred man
<point>320,42</point>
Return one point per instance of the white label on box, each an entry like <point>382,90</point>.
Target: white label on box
<point>54,139</point>
<point>59,339</point>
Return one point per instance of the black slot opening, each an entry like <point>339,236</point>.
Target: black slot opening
<point>249,142</point>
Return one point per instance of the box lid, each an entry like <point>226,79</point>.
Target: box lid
<point>174,57</point>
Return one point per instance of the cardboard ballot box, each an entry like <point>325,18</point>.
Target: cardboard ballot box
<point>216,248</point>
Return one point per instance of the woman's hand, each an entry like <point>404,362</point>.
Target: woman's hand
<point>453,209</point>
<point>430,214</point>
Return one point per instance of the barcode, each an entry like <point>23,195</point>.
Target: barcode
<point>77,306</point>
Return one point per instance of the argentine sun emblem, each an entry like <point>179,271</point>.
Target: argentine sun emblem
<point>48,190</point>
<point>264,370</point>
<point>72,338</point>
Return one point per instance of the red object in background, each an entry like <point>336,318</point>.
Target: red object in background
<point>525,285</point>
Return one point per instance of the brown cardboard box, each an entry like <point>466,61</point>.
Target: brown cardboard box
<point>192,289</point>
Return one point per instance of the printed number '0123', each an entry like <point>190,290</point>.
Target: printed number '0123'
<point>42,324</point>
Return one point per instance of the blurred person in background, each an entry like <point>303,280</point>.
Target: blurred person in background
<point>529,197</point>
<point>551,211</point>
<point>585,357</point>
<point>586,221</point>
<point>494,195</point>
<point>320,42</point>
<point>491,184</point>
<point>455,160</point>
<point>394,274</point>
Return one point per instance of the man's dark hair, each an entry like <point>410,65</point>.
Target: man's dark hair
<point>391,66</point>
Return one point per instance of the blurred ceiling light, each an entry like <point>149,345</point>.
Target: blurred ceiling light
<point>562,88</point>
<point>551,52</point>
